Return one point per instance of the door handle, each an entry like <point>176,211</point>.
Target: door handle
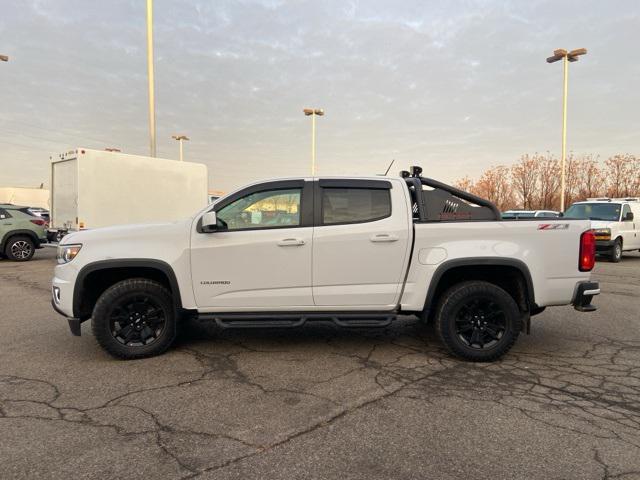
<point>291,242</point>
<point>383,237</point>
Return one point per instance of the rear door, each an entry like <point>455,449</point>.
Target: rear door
<point>361,243</point>
<point>64,194</point>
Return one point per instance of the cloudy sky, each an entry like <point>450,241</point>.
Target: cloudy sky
<point>455,86</point>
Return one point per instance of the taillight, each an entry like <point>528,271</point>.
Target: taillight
<point>38,221</point>
<point>587,258</point>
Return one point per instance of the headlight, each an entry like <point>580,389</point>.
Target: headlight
<point>602,233</point>
<point>66,253</point>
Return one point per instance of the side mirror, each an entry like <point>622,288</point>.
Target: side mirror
<point>209,222</point>
<point>628,217</point>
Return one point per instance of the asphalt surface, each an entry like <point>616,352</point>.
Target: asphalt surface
<point>321,402</point>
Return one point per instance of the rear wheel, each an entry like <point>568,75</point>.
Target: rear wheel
<point>20,248</point>
<point>135,318</point>
<point>478,321</point>
<point>616,251</point>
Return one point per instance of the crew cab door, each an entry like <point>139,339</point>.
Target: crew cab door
<point>260,256</point>
<point>361,243</point>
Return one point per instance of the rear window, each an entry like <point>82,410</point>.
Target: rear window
<point>354,205</point>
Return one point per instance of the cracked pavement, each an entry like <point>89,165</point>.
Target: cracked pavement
<point>321,402</point>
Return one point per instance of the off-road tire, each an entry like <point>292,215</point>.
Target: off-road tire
<point>457,298</point>
<point>118,298</point>
<point>20,248</point>
<point>616,251</point>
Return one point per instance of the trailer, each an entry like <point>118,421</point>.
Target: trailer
<point>94,188</point>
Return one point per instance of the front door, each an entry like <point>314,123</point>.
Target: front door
<point>360,243</point>
<point>260,257</point>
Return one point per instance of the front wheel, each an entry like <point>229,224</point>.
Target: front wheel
<point>135,318</point>
<point>616,251</point>
<point>478,321</point>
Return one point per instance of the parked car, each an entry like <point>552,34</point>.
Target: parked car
<point>21,232</point>
<point>355,251</point>
<point>517,214</point>
<point>615,222</point>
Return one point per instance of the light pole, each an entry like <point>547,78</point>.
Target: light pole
<point>152,98</point>
<point>180,138</point>
<point>4,58</point>
<point>566,57</point>
<point>313,113</point>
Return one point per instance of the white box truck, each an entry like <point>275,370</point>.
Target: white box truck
<point>94,188</point>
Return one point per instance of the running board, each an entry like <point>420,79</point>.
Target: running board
<point>285,320</point>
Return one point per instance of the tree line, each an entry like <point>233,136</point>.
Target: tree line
<point>533,183</point>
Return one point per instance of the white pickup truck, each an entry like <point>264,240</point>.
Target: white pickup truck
<point>355,251</point>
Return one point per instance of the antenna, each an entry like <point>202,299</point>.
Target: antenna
<point>388,168</point>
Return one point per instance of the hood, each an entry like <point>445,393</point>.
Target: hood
<point>601,224</point>
<point>126,232</point>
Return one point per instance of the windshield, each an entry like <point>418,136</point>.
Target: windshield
<point>595,211</point>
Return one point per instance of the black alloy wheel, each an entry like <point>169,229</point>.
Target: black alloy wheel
<point>135,318</point>
<point>480,323</point>
<point>136,321</point>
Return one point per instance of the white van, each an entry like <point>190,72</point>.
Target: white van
<point>615,221</point>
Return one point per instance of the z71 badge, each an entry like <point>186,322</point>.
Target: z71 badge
<point>553,226</point>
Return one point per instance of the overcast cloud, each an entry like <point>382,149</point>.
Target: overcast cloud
<point>452,86</point>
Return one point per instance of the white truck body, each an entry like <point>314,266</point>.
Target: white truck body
<point>93,189</point>
<point>392,262</point>
<point>616,231</point>
<point>25,196</point>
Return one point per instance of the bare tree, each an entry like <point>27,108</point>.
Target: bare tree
<point>465,183</point>
<point>494,185</point>
<point>590,178</point>
<point>524,180</point>
<point>549,183</point>
<point>620,175</point>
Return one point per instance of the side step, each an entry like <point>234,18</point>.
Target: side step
<point>274,320</point>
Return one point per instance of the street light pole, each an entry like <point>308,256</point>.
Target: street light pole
<point>152,99</point>
<point>566,57</point>
<point>180,138</point>
<point>313,112</point>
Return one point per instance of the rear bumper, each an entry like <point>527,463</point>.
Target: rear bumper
<point>583,296</point>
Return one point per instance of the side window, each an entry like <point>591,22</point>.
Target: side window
<point>625,209</point>
<point>4,214</point>
<point>266,209</point>
<point>354,205</point>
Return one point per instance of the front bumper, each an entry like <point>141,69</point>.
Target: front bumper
<point>585,292</point>
<point>604,245</point>
<point>74,323</point>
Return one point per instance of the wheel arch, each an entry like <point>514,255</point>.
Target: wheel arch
<point>499,271</point>
<point>94,278</point>
<point>21,231</point>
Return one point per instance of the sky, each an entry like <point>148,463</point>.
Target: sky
<point>453,86</point>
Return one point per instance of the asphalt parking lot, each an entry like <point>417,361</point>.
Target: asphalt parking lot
<point>320,402</point>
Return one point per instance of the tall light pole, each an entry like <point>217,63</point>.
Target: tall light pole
<point>180,138</point>
<point>313,113</point>
<point>566,57</point>
<point>4,58</point>
<point>152,98</point>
